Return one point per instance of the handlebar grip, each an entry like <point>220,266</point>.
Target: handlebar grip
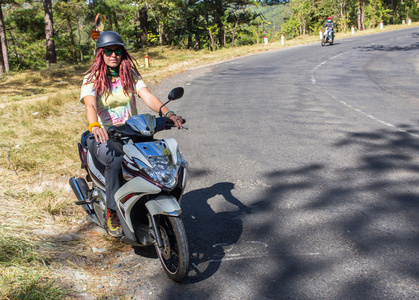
<point>171,123</point>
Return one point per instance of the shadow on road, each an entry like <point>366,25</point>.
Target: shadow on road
<point>208,230</point>
<point>353,235</point>
<point>360,235</point>
<point>412,47</point>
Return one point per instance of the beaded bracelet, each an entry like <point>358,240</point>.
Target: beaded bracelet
<point>169,114</point>
<point>94,124</point>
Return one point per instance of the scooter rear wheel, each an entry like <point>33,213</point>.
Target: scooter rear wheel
<point>174,255</point>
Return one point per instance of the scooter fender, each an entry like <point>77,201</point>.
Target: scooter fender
<point>125,203</point>
<point>164,205</point>
<point>134,186</point>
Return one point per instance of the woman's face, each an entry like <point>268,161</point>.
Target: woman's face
<point>112,59</point>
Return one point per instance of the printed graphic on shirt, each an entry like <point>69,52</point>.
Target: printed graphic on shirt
<point>117,107</point>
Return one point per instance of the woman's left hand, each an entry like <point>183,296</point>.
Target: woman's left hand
<point>177,120</point>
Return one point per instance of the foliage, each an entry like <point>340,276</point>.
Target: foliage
<point>191,24</point>
<point>309,15</point>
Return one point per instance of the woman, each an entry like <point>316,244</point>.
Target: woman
<point>109,93</point>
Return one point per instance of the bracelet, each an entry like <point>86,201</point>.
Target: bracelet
<point>94,124</point>
<point>169,114</point>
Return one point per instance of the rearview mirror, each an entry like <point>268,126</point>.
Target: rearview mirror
<point>174,94</point>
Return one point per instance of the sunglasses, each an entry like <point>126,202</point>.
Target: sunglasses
<point>108,52</point>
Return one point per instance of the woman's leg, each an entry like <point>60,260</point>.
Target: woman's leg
<point>110,154</point>
<point>113,175</point>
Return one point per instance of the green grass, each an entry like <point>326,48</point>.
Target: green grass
<point>41,135</point>
<point>23,272</point>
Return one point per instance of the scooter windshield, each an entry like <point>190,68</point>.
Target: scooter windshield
<point>144,124</point>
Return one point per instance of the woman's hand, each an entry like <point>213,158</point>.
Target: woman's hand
<point>100,134</point>
<point>177,120</point>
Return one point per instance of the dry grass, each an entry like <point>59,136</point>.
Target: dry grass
<point>42,234</point>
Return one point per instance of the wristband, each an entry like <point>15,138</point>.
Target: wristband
<point>169,114</point>
<point>94,124</point>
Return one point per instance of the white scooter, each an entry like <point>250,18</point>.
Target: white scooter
<point>148,202</point>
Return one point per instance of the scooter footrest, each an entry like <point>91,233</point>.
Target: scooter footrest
<point>81,202</point>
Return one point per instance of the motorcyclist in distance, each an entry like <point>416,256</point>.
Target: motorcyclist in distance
<point>331,27</point>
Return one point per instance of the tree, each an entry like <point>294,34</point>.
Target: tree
<point>159,10</point>
<point>143,25</point>
<point>51,56</point>
<point>68,12</point>
<point>4,63</point>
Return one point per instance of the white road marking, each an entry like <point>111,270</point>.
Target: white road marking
<point>248,250</point>
<point>313,81</point>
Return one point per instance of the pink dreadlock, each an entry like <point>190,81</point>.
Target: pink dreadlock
<point>128,73</point>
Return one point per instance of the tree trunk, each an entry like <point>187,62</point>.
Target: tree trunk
<point>1,64</point>
<point>73,44</point>
<point>197,41</point>
<point>257,34</point>
<point>190,33</point>
<point>143,25</point>
<point>161,37</point>
<point>234,33</point>
<point>218,15</point>
<point>363,14</point>
<point>79,40</point>
<point>343,16</point>
<point>5,51</point>
<point>212,40</point>
<point>51,56</point>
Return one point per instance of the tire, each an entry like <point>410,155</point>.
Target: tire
<point>174,256</point>
<point>323,41</point>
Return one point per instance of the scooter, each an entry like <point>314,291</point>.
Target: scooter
<point>148,203</point>
<point>326,39</point>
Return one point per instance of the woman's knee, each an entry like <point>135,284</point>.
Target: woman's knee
<point>114,161</point>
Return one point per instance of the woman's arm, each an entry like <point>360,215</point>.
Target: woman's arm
<point>91,113</point>
<point>154,103</point>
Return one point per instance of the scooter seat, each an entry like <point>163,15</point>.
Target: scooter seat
<point>85,135</point>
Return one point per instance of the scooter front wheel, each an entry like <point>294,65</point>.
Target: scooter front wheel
<point>174,255</point>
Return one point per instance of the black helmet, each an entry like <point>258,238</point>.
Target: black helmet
<point>108,38</point>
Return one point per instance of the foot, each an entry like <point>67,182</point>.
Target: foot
<point>114,225</point>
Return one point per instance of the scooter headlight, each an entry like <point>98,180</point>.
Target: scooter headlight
<point>161,171</point>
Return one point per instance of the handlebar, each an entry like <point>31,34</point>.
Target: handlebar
<point>170,124</point>
<point>117,132</point>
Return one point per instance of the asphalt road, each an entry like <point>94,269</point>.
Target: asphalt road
<point>303,177</point>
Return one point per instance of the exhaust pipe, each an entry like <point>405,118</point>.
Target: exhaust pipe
<point>80,188</point>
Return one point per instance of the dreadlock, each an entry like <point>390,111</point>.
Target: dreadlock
<point>98,74</point>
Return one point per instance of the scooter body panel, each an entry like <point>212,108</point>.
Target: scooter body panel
<point>164,205</point>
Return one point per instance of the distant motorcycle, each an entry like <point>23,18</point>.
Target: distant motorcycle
<point>148,203</point>
<point>326,39</point>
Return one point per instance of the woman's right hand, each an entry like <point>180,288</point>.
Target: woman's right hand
<point>100,133</point>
